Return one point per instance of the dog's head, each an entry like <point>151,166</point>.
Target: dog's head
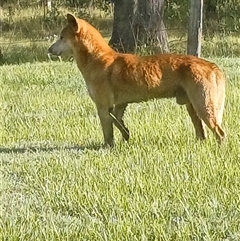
<point>68,34</point>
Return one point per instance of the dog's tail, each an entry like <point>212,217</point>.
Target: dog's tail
<point>207,95</point>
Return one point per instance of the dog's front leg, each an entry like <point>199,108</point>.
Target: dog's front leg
<point>117,114</point>
<point>107,126</point>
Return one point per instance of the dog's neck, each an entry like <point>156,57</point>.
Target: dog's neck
<point>91,47</point>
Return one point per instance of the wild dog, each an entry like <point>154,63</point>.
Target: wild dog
<point>115,79</point>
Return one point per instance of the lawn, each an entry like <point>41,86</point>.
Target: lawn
<point>58,183</point>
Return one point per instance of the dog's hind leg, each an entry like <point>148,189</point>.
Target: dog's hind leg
<point>197,122</point>
<point>107,126</point>
<point>182,99</point>
<point>217,130</point>
<point>117,115</point>
<point>206,105</point>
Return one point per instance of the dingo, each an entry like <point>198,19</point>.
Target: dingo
<point>115,79</point>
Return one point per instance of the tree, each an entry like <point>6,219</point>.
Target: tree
<point>195,27</point>
<point>138,23</point>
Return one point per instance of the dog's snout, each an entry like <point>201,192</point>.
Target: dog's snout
<point>54,50</point>
<point>59,47</point>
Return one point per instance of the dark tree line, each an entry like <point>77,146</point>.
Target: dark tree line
<point>141,23</point>
<point>173,8</point>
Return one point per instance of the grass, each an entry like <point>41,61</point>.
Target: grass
<point>57,183</point>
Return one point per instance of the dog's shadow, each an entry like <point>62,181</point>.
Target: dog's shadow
<point>34,149</point>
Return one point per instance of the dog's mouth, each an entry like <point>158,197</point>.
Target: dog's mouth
<point>50,57</point>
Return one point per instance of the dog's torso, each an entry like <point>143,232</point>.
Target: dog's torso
<point>129,78</point>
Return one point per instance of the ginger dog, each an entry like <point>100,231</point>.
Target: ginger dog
<point>114,80</point>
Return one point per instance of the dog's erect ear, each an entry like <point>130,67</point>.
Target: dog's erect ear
<point>72,21</point>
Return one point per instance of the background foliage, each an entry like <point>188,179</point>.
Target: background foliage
<point>225,14</point>
<point>22,20</point>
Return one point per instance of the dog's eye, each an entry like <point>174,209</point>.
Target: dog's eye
<point>61,37</point>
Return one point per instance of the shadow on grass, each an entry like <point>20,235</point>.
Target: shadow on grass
<point>33,149</point>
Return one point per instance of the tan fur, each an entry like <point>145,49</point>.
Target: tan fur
<point>115,79</point>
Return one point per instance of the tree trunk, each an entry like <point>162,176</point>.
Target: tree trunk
<point>139,23</point>
<point>195,28</point>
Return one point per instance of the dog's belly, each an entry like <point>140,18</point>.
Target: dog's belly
<point>130,96</point>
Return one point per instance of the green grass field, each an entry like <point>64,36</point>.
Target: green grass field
<point>57,183</point>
